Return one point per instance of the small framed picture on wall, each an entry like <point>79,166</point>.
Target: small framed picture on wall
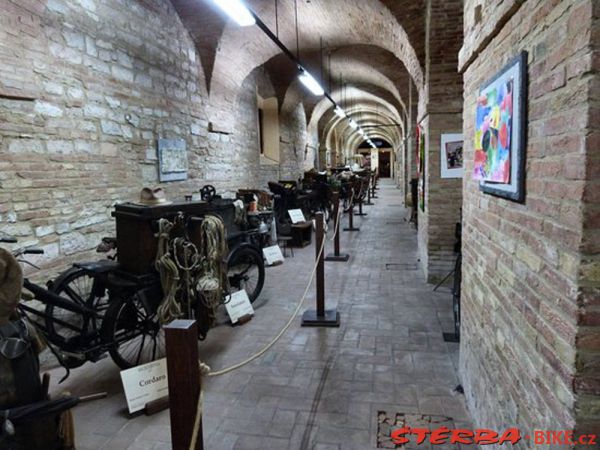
<point>451,151</point>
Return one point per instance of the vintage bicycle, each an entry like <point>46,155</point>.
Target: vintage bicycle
<point>96,308</point>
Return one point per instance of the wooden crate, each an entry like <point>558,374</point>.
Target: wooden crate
<point>137,226</point>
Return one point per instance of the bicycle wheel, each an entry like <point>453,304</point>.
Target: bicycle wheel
<point>133,333</point>
<point>246,270</point>
<point>76,285</point>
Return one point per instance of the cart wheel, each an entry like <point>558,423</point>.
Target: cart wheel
<point>133,334</point>
<point>246,270</point>
<point>76,285</point>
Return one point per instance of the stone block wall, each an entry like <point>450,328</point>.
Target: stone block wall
<point>86,89</point>
<point>104,80</point>
<point>524,265</point>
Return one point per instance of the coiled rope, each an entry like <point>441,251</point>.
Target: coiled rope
<point>213,280</point>
<point>170,308</point>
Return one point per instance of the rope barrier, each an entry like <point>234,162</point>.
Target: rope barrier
<point>205,370</point>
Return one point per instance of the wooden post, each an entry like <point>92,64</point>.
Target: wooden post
<point>337,256</point>
<point>351,220</point>
<point>369,195</point>
<point>319,256</point>
<point>373,195</point>
<point>184,382</point>
<point>360,211</point>
<point>320,317</point>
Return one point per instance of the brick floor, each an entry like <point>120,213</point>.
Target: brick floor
<point>316,389</point>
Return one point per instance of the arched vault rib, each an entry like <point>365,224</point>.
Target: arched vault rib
<point>342,139</point>
<point>362,101</point>
<point>240,50</point>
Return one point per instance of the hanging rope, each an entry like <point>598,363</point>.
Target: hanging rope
<point>169,309</point>
<point>213,279</point>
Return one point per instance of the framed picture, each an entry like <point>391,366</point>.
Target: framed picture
<point>501,132</point>
<point>172,160</point>
<point>451,154</point>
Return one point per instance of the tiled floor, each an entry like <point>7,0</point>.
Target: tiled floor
<point>316,389</point>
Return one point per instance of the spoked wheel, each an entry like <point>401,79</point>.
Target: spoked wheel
<point>134,334</point>
<point>246,270</point>
<point>81,288</point>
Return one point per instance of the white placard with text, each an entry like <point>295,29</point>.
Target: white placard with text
<point>145,383</point>
<point>238,305</point>
<point>273,255</point>
<point>296,215</point>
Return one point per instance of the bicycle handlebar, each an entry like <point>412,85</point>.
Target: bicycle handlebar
<point>33,251</point>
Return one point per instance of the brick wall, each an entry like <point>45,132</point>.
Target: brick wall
<point>92,86</point>
<point>521,262</point>
<point>443,114</point>
<point>587,381</point>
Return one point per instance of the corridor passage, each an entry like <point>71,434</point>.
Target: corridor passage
<point>321,389</point>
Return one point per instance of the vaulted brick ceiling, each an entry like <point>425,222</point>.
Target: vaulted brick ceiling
<point>345,36</point>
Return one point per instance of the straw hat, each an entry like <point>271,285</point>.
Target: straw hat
<point>11,283</point>
<point>155,196</point>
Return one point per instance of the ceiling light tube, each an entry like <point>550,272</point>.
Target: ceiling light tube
<point>361,132</point>
<point>340,112</point>
<point>310,82</point>
<point>353,124</point>
<point>237,11</point>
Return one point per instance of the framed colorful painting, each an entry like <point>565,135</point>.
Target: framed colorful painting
<point>451,164</point>
<point>501,132</point>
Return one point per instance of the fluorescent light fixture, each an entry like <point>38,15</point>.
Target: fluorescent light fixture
<point>340,112</point>
<point>237,11</point>
<point>309,81</point>
<point>353,124</point>
<point>361,132</point>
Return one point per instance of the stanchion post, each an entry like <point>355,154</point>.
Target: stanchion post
<point>351,220</point>
<point>320,317</point>
<point>360,205</point>
<point>369,203</point>
<point>184,382</point>
<point>337,256</point>
<point>373,195</point>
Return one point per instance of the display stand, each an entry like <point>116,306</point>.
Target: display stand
<point>337,256</point>
<point>320,317</point>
